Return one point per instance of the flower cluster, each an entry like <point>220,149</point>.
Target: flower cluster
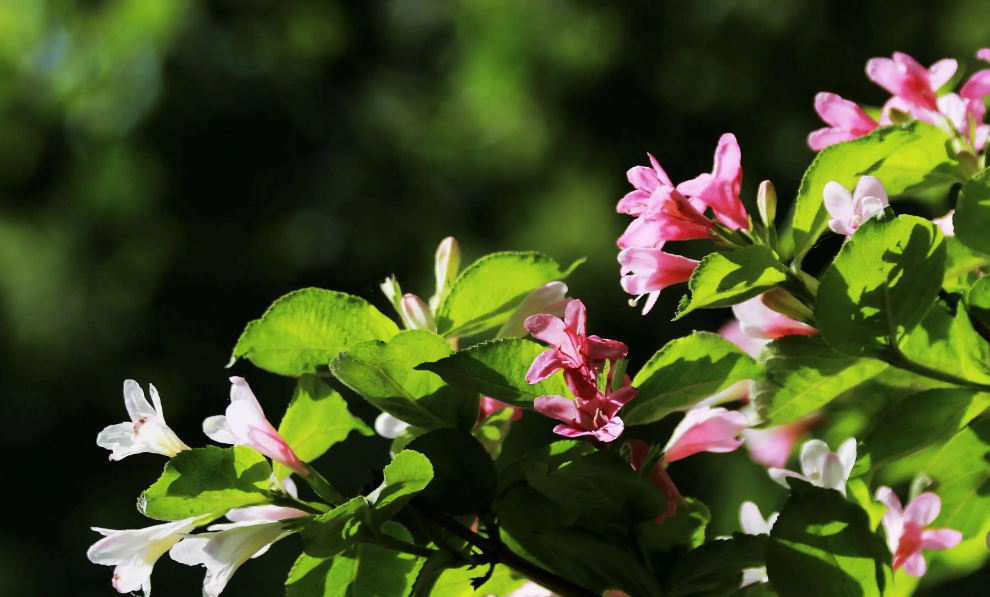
<point>914,94</point>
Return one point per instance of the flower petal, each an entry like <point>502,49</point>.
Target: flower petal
<point>752,521</point>
<point>915,565</point>
<point>838,201</point>
<point>923,510</point>
<point>135,402</point>
<point>870,186</point>
<point>558,407</point>
<point>216,428</point>
<point>938,539</point>
<point>544,365</point>
<point>547,328</point>
<point>813,454</point>
<point>940,72</point>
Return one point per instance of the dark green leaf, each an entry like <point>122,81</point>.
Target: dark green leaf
<point>716,568</point>
<point>972,218</point>
<point>730,277</point>
<point>207,482</point>
<point>408,474</point>
<point>338,529</point>
<point>385,375</point>
<point>686,529</point>
<point>493,431</point>
<point>464,478</point>
<point>304,330</point>
<point>686,371</point>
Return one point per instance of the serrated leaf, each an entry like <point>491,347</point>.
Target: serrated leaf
<point>316,420</point>
<point>972,218</point>
<point>730,277</point>
<point>804,374</point>
<point>881,285</point>
<point>484,295</point>
<point>822,546</point>
<point>207,482</point>
<point>906,158</point>
<point>686,371</point>
<point>385,374</point>
<point>304,330</point>
<point>498,369</point>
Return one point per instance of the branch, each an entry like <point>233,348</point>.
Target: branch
<point>545,578</point>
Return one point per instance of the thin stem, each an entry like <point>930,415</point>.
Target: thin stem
<point>545,578</point>
<point>901,361</point>
<point>403,546</point>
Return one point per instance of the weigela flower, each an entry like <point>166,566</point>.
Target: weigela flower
<point>551,298</point>
<point>146,432</point>
<point>945,223</point>
<point>416,314</point>
<point>245,424</point>
<point>388,426</point>
<point>638,450</point>
<point>133,553</point>
<point>821,466</point>
<point>752,522</point>
<point>772,446</point>
<point>649,271</point>
<point>905,78</point>
<point>758,321</point>
<point>269,513</point>
<point>850,210</point>
<point>705,429</point>
<point>907,532</point>
<point>490,406</point>
<point>445,267</point>
<point>223,551</point>
<point>720,189</point>
<point>669,216</point>
<point>646,182</point>
<point>594,416</point>
<point>574,351</point>
<point>846,121</point>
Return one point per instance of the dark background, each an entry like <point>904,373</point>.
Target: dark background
<point>170,167</point>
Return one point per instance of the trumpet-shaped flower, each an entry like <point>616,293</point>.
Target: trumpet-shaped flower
<point>551,298</point>
<point>705,429</point>
<point>649,271</point>
<point>646,181</point>
<point>759,321</point>
<point>846,121</point>
<point>594,416</point>
<point>669,216</point>
<point>907,532</point>
<point>574,351</point>
<point>720,189</point>
<point>269,513</point>
<point>245,424</point>
<point>146,432</point>
<point>905,78</point>
<point>222,552</point>
<point>821,466</point>
<point>850,210</point>
<point>752,522</point>
<point>133,553</point>
<point>638,451</point>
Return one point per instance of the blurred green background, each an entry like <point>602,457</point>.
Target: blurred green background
<point>170,167</point>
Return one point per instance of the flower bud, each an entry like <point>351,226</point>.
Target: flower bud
<point>416,314</point>
<point>783,302</point>
<point>550,298</point>
<point>766,201</point>
<point>392,291</point>
<point>447,264</point>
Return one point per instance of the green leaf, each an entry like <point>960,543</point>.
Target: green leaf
<point>716,568</point>
<point>919,420</point>
<point>498,369</point>
<point>304,330</point>
<point>962,470</point>
<point>972,218</point>
<point>906,158</point>
<point>464,478</point>
<point>207,482</point>
<point>361,571</point>
<point>457,583</point>
<point>881,285</point>
<point>804,374</point>
<point>337,530</point>
<point>962,266</point>
<point>317,418</point>
<point>686,371</point>
<point>493,431</point>
<point>730,277</point>
<point>686,529</point>
<point>601,484</point>
<point>408,474</point>
<point>949,344</point>
<point>859,493</point>
<point>978,302</point>
<point>822,546</point>
<point>484,295</point>
<point>385,374</point>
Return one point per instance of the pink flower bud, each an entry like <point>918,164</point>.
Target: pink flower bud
<point>705,429</point>
<point>416,313</point>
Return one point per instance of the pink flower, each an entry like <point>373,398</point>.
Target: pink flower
<point>638,450</point>
<point>945,223</point>
<point>595,416</point>
<point>416,313</point>
<point>490,406</point>
<point>245,424</point>
<point>756,320</point>
<point>573,350</point>
<point>649,271</point>
<point>906,530</point>
<point>550,298</point>
<point>646,181</point>
<point>850,210</point>
<point>972,93</point>
<point>720,189</point>
<point>905,78</point>
<point>961,113</point>
<point>705,429</point>
<point>668,216</point>
<point>772,446</point>
<point>846,121</point>
<point>734,332</point>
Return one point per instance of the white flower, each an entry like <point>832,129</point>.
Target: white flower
<point>133,553</point>
<point>269,513</point>
<point>821,466</point>
<point>388,426</point>
<point>850,210</point>
<point>550,298</point>
<point>753,524</point>
<point>222,552</point>
<point>146,432</point>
